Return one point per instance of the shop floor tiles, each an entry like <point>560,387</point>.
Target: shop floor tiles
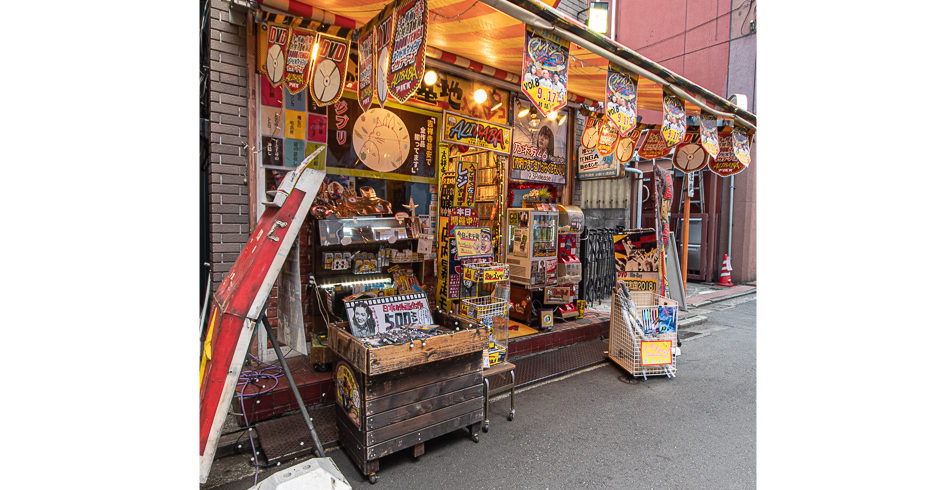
<point>539,367</point>
<point>285,438</point>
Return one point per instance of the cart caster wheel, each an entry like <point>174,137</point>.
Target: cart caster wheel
<point>373,479</point>
<point>475,438</point>
<point>511,416</point>
<point>486,427</point>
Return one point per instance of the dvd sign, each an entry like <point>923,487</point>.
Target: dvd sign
<point>329,69</point>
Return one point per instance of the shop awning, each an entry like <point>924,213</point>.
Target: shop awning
<point>491,32</point>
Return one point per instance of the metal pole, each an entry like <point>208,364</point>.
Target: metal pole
<point>730,215</point>
<point>685,229</point>
<point>205,303</point>
<point>293,386</point>
<point>638,177</point>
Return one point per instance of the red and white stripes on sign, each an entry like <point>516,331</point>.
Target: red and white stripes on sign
<point>310,12</point>
<point>462,62</point>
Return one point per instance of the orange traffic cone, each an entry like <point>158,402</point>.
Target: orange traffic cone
<point>725,279</point>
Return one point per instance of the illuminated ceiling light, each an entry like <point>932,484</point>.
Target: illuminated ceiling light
<point>430,78</point>
<point>597,17</point>
<point>563,117</point>
<point>524,112</point>
<point>479,96</point>
<point>552,115</point>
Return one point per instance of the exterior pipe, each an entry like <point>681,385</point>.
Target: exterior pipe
<point>639,192</point>
<point>730,215</point>
<point>567,29</point>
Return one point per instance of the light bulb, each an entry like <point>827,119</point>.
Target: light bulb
<point>552,115</point>
<point>523,112</point>
<point>563,117</point>
<point>430,78</point>
<point>479,96</point>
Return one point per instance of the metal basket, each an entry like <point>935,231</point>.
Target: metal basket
<point>646,347</point>
<point>493,313</point>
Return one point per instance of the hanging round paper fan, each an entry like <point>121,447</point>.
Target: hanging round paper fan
<point>624,150</point>
<point>689,157</point>
<point>326,81</point>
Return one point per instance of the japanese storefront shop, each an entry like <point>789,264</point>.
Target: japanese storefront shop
<point>454,149</point>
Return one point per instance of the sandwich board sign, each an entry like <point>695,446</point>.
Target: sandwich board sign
<point>242,297</point>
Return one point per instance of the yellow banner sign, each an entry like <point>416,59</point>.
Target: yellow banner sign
<point>656,353</point>
<point>468,131</point>
<point>473,242</point>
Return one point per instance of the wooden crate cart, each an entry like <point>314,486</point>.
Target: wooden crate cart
<point>396,397</point>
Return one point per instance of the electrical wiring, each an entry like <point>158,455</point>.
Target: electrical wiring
<point>252,377</point>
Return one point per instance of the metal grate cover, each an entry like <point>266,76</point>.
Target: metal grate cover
<point>561,361</point>
<point>280,439</point>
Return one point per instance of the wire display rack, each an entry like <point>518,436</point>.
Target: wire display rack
<point>490,306</point>
<point>643,338</point>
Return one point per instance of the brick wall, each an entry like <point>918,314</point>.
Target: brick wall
<point>228,133</point>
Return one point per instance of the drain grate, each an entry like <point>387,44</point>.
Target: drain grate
<point>280,439</point>
<point>561,361</point>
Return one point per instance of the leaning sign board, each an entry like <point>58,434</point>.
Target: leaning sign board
<point>238,303</point>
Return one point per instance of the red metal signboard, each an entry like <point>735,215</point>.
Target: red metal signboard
<point>239,301</point>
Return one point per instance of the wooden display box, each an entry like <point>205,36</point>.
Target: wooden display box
<point>396,397</point>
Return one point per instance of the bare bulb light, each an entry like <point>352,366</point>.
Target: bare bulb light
<point>430,78</point>
<point>524,112</point>
<point>562,120</point>
<point>552,115</point>
<point>479,96</point>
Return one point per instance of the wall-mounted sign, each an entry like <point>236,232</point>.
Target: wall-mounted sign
<point>539,149</point>
<point>366,86</point>
<point>620,103</point>
<point>467,131</point>
<point>276,54</point>
<point>395,139</point>
<point>329,69</point>
<point>741,145</point>
<point>297,67</point>
<point>372,316</point>
<point>545,69</point>
<point>689,157</point>
<point>709,134</point>
<point>455,94</point>
<point>473,242</point>
<point>409,43</point>
<point>593,166</point>
<point>726,163</point>
<point>655,352</point>
<point>465,184</point>
<point>673,120</point>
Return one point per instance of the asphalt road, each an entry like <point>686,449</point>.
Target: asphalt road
<point>597,429</point>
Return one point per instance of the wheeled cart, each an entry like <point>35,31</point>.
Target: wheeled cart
<point>396,397</point>
<point>496,376</point>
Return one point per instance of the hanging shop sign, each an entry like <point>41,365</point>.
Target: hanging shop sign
<point>395,142</point>
<point>539,149</point>
<point>620,99</point>
<point>297,65</point>
<point>462,130</point>
<point>545,69</point>
<point>348,394</point>
<point>409,43</point>
<point>663,184</point>
<point>593,166</point>
<point>673,128</point>
<point>366,86</point>
<point>329,69</point>
<point>726,163</point>
<point>607,136</point>
<point>273,62</point>
<point>455,94</point>
<point>465,184</point>
<point>623,150</point>
<point>462,217</point>
<point>373,316</point>
<point>653,145</point>
<point>487,275</point>
<point>383,46</point>
<point>689,157</point>
<point>590,135</point>
<point>742,146</point>
<point>473,242</point>
<point>708,132</point>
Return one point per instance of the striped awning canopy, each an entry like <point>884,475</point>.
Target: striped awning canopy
<point>478,32</point>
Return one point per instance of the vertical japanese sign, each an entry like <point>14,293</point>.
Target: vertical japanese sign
<point>366,86</point>
<point>664,201</point>
<point>406,65</point>
<point>620,95</point>
<point>545,70</point>
<point>329,69</point>
<point>383,47</point>
<point>276,56</point>
<point>299,53</point>
<point>465,192</point>
<point>673,120</point>
<point>741,146</point>
<point>709,134</point>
